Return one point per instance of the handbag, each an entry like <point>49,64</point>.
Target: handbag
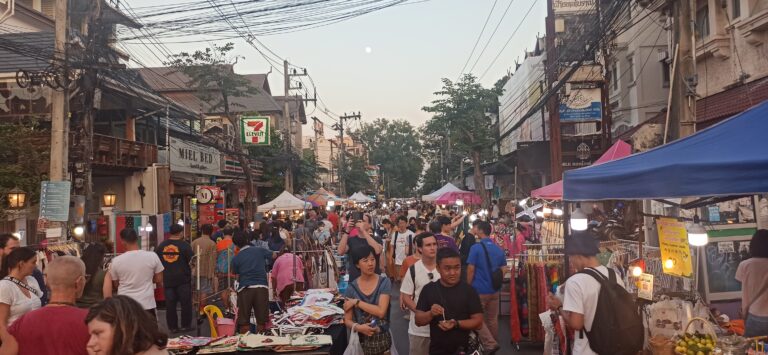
<point>376,344</point>
<point>497,276</point>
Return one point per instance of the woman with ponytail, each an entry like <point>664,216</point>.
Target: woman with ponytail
<point>19,292</point>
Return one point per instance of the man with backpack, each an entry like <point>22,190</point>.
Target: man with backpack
<point>402,245</point>
<point>416,277</point>
<point>486,266</point>
<point>595,304</point>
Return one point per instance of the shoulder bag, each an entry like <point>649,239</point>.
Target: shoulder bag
<point>497,276</point>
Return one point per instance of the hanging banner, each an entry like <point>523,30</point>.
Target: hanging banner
<point>673,243</point>
<point>645,287</point>
<point>254,130</point>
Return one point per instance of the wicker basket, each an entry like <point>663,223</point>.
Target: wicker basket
<point>707,324</point>
<point>661,345</point>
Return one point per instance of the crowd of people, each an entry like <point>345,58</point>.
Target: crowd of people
<point>448,271</point>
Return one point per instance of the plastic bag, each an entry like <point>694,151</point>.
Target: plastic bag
<point>353,347</point>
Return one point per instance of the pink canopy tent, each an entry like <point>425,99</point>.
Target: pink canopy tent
<point>450,198</point>
<point>554,191</point>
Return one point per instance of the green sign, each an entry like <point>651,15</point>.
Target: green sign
<point>254,130</point>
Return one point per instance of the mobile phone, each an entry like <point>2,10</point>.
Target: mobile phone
<point>357,216</point>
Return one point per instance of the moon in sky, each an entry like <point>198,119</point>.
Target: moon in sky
<point>368,50</point>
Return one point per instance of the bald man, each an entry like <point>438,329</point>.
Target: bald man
<point>59,327</point>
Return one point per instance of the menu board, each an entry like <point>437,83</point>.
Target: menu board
<point>675,251</point>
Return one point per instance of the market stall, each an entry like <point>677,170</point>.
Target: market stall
<point>359,197</point>
<point>284,202</point>
<point>434,195</point>
<point>721,163</point>
<point>466,197</point>
<point>311,323</point>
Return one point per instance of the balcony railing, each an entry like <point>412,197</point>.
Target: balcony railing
<point>116,152</point>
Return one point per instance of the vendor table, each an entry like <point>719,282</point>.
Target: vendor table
<point>338,333</point>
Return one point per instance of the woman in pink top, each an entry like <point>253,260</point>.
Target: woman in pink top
<point>283,275</point>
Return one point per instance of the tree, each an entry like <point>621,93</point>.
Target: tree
<point>355,177</point>
<point>395,147</point>
<point>461,111</point>
<point>211,72</point>
<point>25,159</point>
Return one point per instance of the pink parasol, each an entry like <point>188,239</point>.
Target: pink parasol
<point>450,198</point>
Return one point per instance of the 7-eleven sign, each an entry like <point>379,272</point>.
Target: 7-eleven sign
<point>254,130</point>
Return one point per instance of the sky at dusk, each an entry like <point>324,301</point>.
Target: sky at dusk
<point>389,63</point>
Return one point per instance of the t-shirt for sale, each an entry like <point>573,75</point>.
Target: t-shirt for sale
<point>482,281</point>
<point>460,302</point>
<point>422,279</point>
<point>175,256</point>
<point>581,293</point>
<point>52,330</point>
<point>444,241</point>
<point>134,271</point>
<point>400,241</point>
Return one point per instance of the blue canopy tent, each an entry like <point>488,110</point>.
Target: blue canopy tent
<point>728,159</point>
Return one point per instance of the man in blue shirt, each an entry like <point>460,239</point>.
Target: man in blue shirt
<point>484,259</point>
<point>250,266</point>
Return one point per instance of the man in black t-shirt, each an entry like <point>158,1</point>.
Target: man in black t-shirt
<point>450,306</point>
<point>176,255</point>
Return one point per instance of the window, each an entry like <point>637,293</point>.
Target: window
<point>664,74</point>
<point>615,76</point>
<point>736,9</point>
<point>702,23</point>
<point>631,69</point>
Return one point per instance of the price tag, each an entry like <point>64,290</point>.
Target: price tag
<point>645,287</point>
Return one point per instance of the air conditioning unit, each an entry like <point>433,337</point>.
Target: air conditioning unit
<point>663,55</point>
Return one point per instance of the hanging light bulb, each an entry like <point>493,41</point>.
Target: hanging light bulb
<point>546,210</point>
<point>79,231</point>
<point>579,220</point>
<point>180,222</point>
<point>637,271</point>
<point>540,214</point>
<point>459,202</point>
<point>149,228</point>
<point>557,212</point>
<point>523,202</point>
<point>697,235</point>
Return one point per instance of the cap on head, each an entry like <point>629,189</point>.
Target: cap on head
<point>582,243</point>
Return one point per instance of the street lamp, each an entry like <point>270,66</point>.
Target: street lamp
<point>16,198</point>
<point>579,219</point>
<point>697,235</point>
<point>109,198</point>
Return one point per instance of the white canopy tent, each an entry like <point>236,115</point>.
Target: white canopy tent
<point>286,201</point>
<point>447,188</point>
<point>360,198</point>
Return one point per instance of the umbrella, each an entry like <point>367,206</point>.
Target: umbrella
<point>450,198</point>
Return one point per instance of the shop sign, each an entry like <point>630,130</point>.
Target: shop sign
<point>566,7</point>
<point>254,130</point>
<point>231,166</point>
<point>54,200</point>
<point>673,243</point>
<point>581,151</point>
<point>191,157</point>
<point>582,105</point>
<point>645,286</point>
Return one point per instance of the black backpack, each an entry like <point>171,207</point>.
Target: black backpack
<point>617,328</point>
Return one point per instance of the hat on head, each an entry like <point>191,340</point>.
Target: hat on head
<point>581,243</point>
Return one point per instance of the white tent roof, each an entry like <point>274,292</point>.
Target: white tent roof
<point>286,201</point>
<point>359,197</point>
<point>447,188</point>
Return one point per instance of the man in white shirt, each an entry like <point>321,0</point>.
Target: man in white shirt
<point>425,273</point>
<point>402,244</point>
<point>581,290</point>
<point>135,273</point>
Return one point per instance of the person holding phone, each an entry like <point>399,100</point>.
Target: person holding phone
<point>354,234</point>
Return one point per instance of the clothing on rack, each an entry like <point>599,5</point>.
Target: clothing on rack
<point>536,275</point>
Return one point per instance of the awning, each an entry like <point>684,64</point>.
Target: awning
<point>285,202</point>
<point>554,191</point>
<point>727,159</point>
<point>447,188</point>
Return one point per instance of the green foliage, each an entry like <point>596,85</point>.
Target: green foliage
<point>355,178</point>
<point>395,147</point>
<point>24,153</point>
<point>461,125</point>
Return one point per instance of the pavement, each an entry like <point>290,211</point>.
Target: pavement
<point>399,327</point>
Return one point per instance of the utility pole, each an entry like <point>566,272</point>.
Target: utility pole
<point>342,149</point>
<point>606,48</point>
<point>287,75</point>
<point>683,110</point>
<point>59,159</point>
<point>553,105</point>
<point>318,130</point>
